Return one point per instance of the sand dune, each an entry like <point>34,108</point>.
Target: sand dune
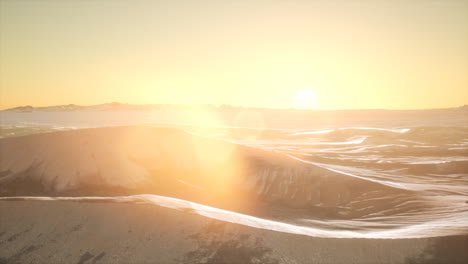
<point>161,195</point>
<point>145,160</point>
<point>100,232</point>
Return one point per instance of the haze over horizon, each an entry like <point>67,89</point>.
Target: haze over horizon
<point>204,107</point>
<point>335,54</point>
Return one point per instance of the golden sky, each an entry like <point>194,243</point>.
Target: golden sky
<point>399,54</point>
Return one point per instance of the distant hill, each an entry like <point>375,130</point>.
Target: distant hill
<point>73,107</point>
<point>116,106</point>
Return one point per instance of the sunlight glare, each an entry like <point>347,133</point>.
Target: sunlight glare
<point>305,99</point>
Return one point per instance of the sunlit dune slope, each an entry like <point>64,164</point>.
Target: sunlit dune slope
<point>135,160</point>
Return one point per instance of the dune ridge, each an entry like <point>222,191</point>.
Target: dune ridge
<point>138,160</point>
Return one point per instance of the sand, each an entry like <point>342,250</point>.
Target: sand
<point>96,232</point>
<point>145,160</point>
<point>236,204</point>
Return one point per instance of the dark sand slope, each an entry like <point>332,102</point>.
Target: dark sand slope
<point>96,232</point>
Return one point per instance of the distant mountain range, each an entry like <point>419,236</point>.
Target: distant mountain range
<point>115,106</point>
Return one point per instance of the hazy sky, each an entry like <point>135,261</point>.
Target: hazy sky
<point>352,53</point>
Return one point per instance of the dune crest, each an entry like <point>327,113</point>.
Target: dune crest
<point>165,161</point>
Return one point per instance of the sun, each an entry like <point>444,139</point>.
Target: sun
<point>305,99</point>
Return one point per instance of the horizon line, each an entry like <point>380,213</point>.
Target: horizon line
<point>231,106</point>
